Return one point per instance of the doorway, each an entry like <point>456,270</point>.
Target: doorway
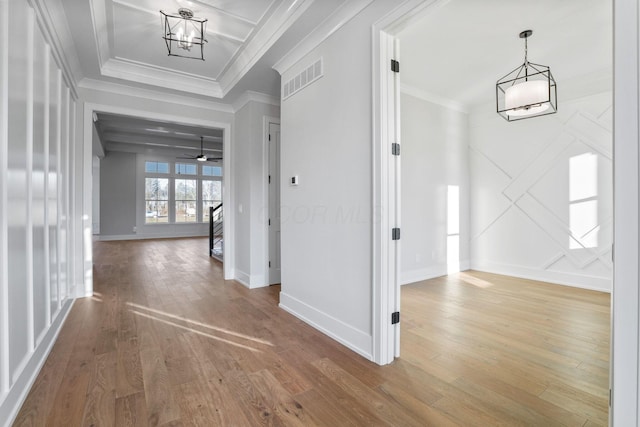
<point>387,278</point>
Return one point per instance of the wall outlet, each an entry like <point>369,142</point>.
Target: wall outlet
<point>135,229</point>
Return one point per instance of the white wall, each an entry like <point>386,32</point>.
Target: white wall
<point>250,198</point>
<point>434,152</point>
<point>40,224</point>
<point>326,135</point>
<point>526,179</point>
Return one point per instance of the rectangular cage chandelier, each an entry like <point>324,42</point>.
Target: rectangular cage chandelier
<point>528,91</point>
<point>184,34</point>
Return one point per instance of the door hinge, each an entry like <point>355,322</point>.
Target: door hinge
<point>610,396</point>
<point>269,137</point>
<point>395,149</point>
<point>395,234</point>
<point>395,66</point>
<point>269,264</point>
<point>395,317</point>
<point>269,221</point>
<point>269,179</point>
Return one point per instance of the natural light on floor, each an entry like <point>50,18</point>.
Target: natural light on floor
<point>172,320</point>
<point>453,229</point>
<point>583,201</point>
<point>467,278</point>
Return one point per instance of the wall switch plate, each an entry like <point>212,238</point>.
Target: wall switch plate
<point>295,180</point>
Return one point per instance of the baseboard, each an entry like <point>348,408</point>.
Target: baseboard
<point>251,282</point>
<point>431,272</point>
<point>18,392</point>
<point>346,335</point>
<point>242,278</point>
<point>566,279</point>
<point>113,237</point>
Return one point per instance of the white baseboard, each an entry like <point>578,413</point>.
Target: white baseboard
<point>18,392</point>
<point>243,278</point>
<point>346,335</point>
<point>427,273</point>
<point>112,237</point>
<point>566,279</point>
<point>251,282</point>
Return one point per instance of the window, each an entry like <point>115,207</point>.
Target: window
<point>185,169</point>
<point>180,192</point>
<point>211,170</point>
<point>156,200</point>
<point>211,196</point>
<point>156,167</point>
<point>186,199</point>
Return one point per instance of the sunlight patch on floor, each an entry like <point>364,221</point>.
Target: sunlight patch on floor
<point>202,325</point>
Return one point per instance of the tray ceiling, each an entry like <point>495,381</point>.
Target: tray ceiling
<point>122,39</point>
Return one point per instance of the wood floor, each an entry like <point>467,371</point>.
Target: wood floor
<point>166,341</point>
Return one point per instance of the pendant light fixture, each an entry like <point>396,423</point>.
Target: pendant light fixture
<point>183,33</point>
<point>528,91</point>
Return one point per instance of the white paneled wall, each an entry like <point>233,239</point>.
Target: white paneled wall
<point>37,187</point>
<point>542,194</point>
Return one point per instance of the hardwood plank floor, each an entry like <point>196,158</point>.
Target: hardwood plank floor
<point>166,341</point>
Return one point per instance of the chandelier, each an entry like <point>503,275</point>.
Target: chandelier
<point>528,91</point>
<point>184,34</point>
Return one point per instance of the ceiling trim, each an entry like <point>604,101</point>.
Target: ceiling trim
<point>330,25</point>
<point>260,39</point>
<point>286,14</point>
<point>147,74</point>
<point>58,36</point>
<point>433,98</point>
<point>100,30</point>
<point>250,95</point>
<point>121,89</point>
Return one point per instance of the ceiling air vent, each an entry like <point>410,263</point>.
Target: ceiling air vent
<point>309,75</point>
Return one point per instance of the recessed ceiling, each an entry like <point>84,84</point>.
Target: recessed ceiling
<point>460,48</point>
<point>121,41</point>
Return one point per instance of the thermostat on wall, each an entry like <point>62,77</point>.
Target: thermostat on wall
<point>294,180</point>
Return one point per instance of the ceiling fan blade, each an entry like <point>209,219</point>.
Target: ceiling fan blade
<point>213,159</point>
<point>186,158</point>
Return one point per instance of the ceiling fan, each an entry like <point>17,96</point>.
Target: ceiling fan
<point>201,157</point>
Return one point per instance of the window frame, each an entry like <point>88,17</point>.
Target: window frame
<point>173,176</point>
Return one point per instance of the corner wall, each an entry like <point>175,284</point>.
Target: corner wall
<point>536,209</point>
<point>250,207</point>
<point>435,163</point>
<point>327,220</point>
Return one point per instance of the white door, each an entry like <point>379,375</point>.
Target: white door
<point>274,203</point>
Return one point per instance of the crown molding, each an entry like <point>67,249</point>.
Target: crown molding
<point>120,89</point>
<point>55,28</point>
<point>347,11</point>
<point>250,95</point>
<point>286,14</point>
<point>434,99</point>
<point>144,73</point>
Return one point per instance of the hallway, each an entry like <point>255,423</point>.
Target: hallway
<point>165,341</point>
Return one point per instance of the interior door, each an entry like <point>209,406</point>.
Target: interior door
<point>274,203</point>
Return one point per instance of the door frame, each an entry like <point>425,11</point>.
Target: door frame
<point>228,231</point>
<point>625,298</point>
<point>386,212</point>
<point>266,120</point>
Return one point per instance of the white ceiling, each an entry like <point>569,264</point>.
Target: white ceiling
<point>120,41</point>
<point>460,48</point>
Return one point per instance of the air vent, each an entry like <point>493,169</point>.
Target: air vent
<point>309,75</point>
